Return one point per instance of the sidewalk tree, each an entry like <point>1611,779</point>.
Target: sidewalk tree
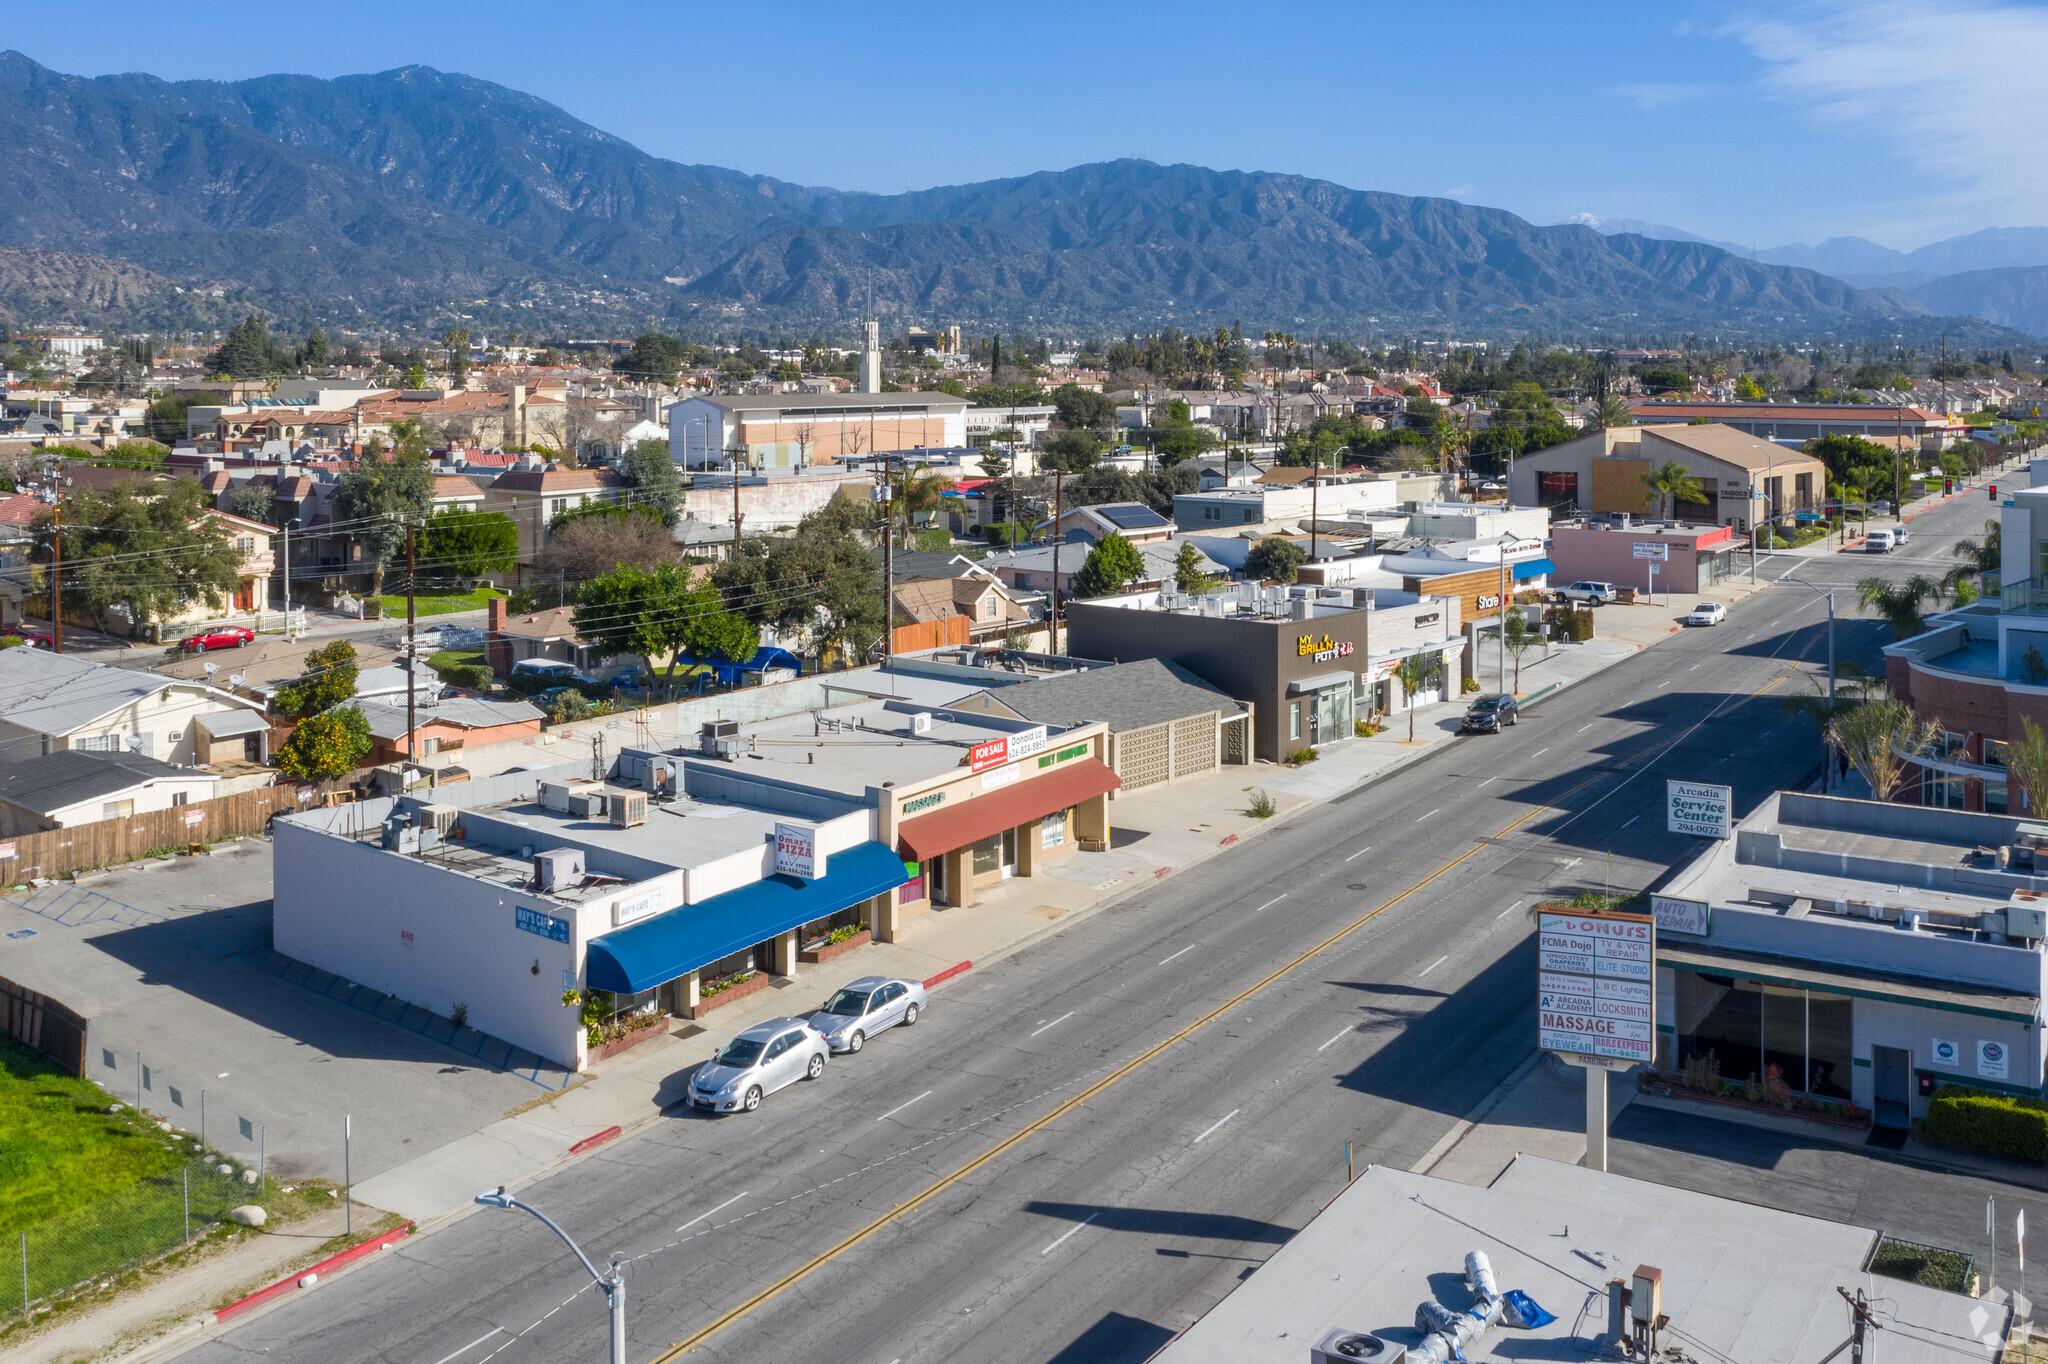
<point>1852,686</point>
<point>1674,482</point>
<point>383,495</point>
<point>652,480</point>
<point>1417,673</point>
<point>821,583</point>
<point>1899,603</point>
<point>656,613</point>
<point>329,679</point>
<point>151,556</point>
<point>1519,637</point>
<point>2026,764</point>
<point>1109,567</point>
<point>1977,557</point>
<point>1882,738</point>
<point>468,544</point>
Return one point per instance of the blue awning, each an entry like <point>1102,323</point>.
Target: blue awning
<point>643,955</point>
<point>1534,568</point>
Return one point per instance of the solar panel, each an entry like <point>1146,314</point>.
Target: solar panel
<point>1131,516</point>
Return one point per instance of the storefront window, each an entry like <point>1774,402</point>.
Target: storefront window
<point>1052,830</point>
<point>1750,1029</point>
<point>1294,719</point>
<point>988,855</point>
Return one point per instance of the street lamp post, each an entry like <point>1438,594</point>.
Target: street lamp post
<point>613,1284</point>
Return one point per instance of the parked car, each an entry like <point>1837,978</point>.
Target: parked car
<point>224,637</point>
<point>1490,715</point>
<point>1879,542</point>
<point>1595,593</point>
<point>36,638</point>
<point>1706,613</point>
<point>759,1061</point>
<point>1899,537</point>
<point>865,1007</point>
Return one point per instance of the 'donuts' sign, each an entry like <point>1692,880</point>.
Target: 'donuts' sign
<point>1703,811</point>
<point>1596,990</point>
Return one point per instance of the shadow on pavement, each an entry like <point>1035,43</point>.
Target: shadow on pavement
<point>1114,1337</point>
<point>1489,1022</point>
<point>1212,1226</point>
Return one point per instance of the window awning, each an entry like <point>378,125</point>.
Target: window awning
<point>970,821</point>
<point>1320,681</point>
<point>1534,568</point>
<point>222,724</point>
<point>1859,982</point>
<point>643,955</point>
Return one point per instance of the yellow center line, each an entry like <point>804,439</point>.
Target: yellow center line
<point>824,1258</point>
<point>1777,681</point>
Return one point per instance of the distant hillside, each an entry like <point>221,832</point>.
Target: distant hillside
<point>415,197</point>
<point>2016,297</point>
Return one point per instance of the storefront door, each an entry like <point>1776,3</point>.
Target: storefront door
<point>996,853</point>
<point>1894,1086</point>
<point>1330,716</point>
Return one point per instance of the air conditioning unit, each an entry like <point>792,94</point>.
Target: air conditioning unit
<point>628,808</point>
<point>1347,1347</point>
<point>587,804</point>
<point>719,739</point>
<point>400,836</point>
<point>440,818</point>
<point>558,869</point>
<point>554,795</point>
<point>2026,916</point>
<point>921,723</point>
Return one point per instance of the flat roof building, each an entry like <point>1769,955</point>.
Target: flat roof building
<point>790,430</point>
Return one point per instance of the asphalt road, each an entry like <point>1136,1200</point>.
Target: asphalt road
<point>1082,1147</point>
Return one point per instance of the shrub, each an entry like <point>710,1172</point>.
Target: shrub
<point>1263,805</point>
<point>2002,1123</point>
<point>1468,686</point>
<point>1302,755</point>
<point>474,676</point>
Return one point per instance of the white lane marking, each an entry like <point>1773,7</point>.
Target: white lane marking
<point>1584,728</point>
<point>1183,952</point>
<point>1694,668</point>
<point>1665,683</point>
<point>1573,863</point>
<point>1420,818</point>
<point>1360,853</point>
<point>1541,751</point>
<point>1335,1040</point>
<point>1772,626</point>
<point>720,1208</point>
<point>1433,965</point>
<point>495,1330</point>
<point>1509,910</point>
<point>1489,781</point>
<point>1219,1122</point>
<point>1634,818</point>
<point>1070,1231</point>
<point>900,1107</point>
<point>1057,1021</point>
<point>1274,901</point>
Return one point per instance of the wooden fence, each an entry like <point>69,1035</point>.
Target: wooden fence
<point>107,842</point>
<point>950,632</point>
<point>36,1020</point>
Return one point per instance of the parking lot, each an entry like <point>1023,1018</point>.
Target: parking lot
<point>170,960</point>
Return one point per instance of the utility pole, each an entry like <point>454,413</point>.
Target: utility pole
<point>1053,623</point>
<point>57,577</point>
<point>735,452</point>
<point>889,563</point>
<point>287,579</point>
<point>412,618</point>
<point>1860,1324</point>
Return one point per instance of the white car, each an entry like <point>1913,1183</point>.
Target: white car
<point>761,1060</point>
<point>1707,613</point>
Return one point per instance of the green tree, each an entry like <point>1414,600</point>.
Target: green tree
<point>914,493</point>
<point>1109,567</point>
<point>1083,409</point>
<point>1073,451</point>
<point>1614,412</point>
<point>251,501</point>
<point>468,544</point>
<point>385,494</point>
<point>139,454</point>
<point>1519,637</point>
<point>652,480</point>
<point>1852,684</point>
<point>329,679</point>
<point>1187,569</point>
<point>655,356</point>
<point>245,352</point>
<point>1881,738</point>
<point>1978,558</point>
<point>1899,603</point>
<point>1748,390</point>
<point>821,584</point>
<point>1276,558</point>
<point>327,745</point>
<point>148,549</point>
<point>655,613</point>
<point>1181,440</point>
<point>456,342</point>
<point>1667,380</point>
<point>1417,673</point>
<point>1674,482</point>
<point>2026,765</point>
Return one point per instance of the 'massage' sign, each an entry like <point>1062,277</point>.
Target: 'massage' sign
<point>1596,992</point>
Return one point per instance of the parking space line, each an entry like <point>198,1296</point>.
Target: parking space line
<point>900,1107</point>
<point>1219,1122</point>
<point>1070,1231</point>
<point>1541,751</point>
<point>1633,818</point>
<point>1056,1022</point>
<point>1360,853</point>
<point>1489,781</point>
<point>1509,910</point>
<point>1182,953</point>
<point>494,1331</point>
<point>720,1208</point>
<point>1420,818</point>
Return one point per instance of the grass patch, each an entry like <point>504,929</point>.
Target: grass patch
<point>438,602</point>
<point>1929,1265</point>
<point>60,1148</point>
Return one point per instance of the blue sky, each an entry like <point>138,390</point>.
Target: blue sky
<point>1755,123</point>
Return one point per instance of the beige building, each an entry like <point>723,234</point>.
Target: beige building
<point>534,497</point>
<point>1744,478</point>
<point>791,430</point>
<point>54,702</point>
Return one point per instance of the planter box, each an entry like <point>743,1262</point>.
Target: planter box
<point>1802,1114</point>
<point>658,1028</point>
<point>833,949</point>
<point>724,997</point>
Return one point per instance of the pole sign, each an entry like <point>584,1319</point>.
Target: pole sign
<point>1699,810</point>
<point>796,852</point>
<point>1655,551</point>
<point>1596,990</point>
<point>1673,915</point>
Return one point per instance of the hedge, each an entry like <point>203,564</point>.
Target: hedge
<point>2002,1123</point>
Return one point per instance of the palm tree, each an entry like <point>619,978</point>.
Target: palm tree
<point>917,493</point>
<point>1899,603</point>
<point>1519,636</point>
<point>1978,557</point>
<point>2026,765</point>
<point>1883,740</point>
<point>1672,480</point>
<point>1614,411</point>
<point>1417,672</point>
<point>1852,688</point>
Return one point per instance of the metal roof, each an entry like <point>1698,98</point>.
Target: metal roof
<point>51,694</point>
<point>51,781</point>
<point>387,717</point>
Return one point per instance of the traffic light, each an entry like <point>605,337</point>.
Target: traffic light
<point>1948,487</point>
<point>1994,492</point>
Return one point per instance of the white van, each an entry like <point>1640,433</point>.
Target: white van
<point>1879,542</point>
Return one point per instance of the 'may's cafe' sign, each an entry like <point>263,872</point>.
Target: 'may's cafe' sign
<point>1321,648</point>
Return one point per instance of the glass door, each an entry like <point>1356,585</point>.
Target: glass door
<point>1009,852</point>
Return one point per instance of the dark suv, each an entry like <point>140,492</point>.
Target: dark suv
<point>1490,715</point>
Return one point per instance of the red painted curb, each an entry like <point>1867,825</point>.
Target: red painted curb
<point>951,971</point>
<point>591,1143</point>
<point>1163,871</point>
<point>1228,840</point>
<point>325,1267</point>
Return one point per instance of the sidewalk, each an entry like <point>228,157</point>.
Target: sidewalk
<point>1540,1110</point>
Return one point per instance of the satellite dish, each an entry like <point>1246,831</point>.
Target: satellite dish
<point>236,679</point>
<point>212,668</point>
<point>135,743</point>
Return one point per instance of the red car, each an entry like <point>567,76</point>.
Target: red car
<point>36,638</point>
<point>227,637</point>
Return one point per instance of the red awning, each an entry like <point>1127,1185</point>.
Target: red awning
<point>970,821</point>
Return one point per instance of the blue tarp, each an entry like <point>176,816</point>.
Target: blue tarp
<point>1534,568</point>
<point>643,955</point>
<point>729,673</point>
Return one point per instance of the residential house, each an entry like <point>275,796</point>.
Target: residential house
<point>53,701</point>
<point>446,726</point>
<point>534,494</point>
<point>1134,521</point>
<point>990,610</point>
<point>68,787</point>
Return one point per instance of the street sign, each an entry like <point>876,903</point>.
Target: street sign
<point>1596,990</point>
<point>1700,810</point>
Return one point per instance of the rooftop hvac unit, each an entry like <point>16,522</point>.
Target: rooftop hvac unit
<point>921,722</point>
<point>554,795</point>
<point>660,780</point>
<point>440,818</point>
<point>719,739</point>
<point>400,837</point>
<point>2026,916</point>
<point>1347,1347</point>
<point>1301,608</point>
<point>559,869</point>
<point>628,808</point>
<point>587,804</point>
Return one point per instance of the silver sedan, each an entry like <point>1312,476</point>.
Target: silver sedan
<point>761,1060</point>
<point>865,1007</point>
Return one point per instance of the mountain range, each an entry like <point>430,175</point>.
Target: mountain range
<point>1999,274</point>
<point>414,198</point>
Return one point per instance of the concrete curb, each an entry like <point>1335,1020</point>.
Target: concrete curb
<point>312,1274</point>
<point>1449,1140</point>
<point>591,1143</point>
